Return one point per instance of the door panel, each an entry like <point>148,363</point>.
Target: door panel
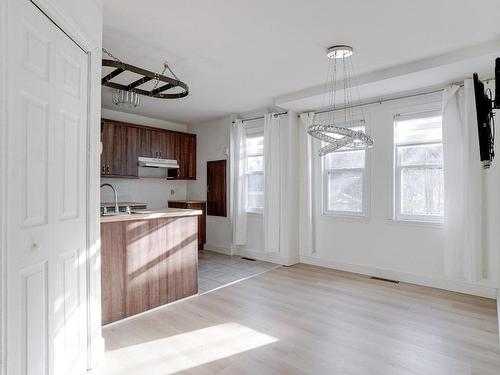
<point>216,188</point>
<point>46,190</point>
<point>34,125</point>
<point>34,302</point>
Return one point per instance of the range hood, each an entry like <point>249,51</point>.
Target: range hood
<point>158,163</point>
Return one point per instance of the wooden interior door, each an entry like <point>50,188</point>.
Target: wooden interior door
<point>216,188</point>
<point>46,191</point>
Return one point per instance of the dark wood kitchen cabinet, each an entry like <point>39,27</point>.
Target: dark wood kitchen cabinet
<point>123,143</point>
<point>185,154</point>
<point>163,145</point>
<point>119,150</point>
<point>145,144</point>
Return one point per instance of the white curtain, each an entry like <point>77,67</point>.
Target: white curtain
<point>306,238</point>
<point>462,183</point>
<point>272,186</point>
<point>239,163</point>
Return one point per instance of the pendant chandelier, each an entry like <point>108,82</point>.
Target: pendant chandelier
<point>129,95</point>
<point>344,124</point>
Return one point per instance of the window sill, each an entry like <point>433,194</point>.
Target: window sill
<point>417,223</point>
<point>255,213</point>
<point>345,217</point>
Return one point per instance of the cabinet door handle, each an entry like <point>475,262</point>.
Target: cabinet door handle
<point>107,169</point>
<point>103,169</point>
<point>160,154</point>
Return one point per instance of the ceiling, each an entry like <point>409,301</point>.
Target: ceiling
<point>238,56</point>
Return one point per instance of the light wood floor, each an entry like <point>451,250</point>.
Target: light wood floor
<point>310,320</point>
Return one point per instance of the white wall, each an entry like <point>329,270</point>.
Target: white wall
<point>378,245</point>
<point>154,192</point>
<point>212,144</point>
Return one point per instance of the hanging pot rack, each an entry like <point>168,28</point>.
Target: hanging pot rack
<point>157,92</point>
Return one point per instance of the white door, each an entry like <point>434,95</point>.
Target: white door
<point>46,193</point>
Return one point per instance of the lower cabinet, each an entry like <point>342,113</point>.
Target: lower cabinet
<point>146,264</point>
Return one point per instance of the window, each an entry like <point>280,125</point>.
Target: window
<point>344,182</point>
<point>419,185</point>
<point>255,166</point>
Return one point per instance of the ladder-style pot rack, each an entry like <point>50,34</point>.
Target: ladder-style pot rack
<point>159,92</point>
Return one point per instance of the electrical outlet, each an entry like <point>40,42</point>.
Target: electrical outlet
<point>172,192</point>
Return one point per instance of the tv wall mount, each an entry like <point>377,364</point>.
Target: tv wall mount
<point>159,91</point>
<point>485,106</point>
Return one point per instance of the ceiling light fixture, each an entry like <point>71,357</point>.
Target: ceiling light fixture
<point>345,122</point>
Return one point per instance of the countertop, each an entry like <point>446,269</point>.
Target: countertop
<point>122,204</point>
<point>151,214</point>
<point>188,201</point>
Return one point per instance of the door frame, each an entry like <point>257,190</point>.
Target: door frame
<point>95,341</point>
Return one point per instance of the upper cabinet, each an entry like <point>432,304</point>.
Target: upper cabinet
<point>123,144</point>
<point>119,150</point>
<point>185,154</point>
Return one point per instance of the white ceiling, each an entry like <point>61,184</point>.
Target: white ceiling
<point>241,55</point>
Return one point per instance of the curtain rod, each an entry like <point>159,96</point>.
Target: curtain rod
<point>380,101</point>
<point>261,117</point>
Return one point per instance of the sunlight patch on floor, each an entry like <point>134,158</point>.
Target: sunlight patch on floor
<point>177,353</point>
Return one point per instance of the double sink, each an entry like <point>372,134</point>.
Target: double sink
<point>121,208</point>
<point>124,210</point>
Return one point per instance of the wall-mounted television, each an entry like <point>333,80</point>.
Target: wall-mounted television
<point>485,105</point>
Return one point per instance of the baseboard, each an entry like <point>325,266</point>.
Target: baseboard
<point>498,315</point>
<point>218,249</point>
<point>266,257</point>
<point>424,280</point>
<point>97,353</point>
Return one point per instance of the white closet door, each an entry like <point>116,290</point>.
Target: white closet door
<point>46,192</point>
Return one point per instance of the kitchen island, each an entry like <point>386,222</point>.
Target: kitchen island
<point>149,258</point>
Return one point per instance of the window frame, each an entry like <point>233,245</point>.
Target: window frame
<point>365,171</point>
<point>260,126</point>
<point>397,169</point>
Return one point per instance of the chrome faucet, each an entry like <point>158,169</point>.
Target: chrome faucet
<point>117,209</point>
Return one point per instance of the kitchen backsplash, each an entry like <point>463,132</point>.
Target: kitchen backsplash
<point>154,192</point>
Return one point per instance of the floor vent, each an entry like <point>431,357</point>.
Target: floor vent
<point>253,260</point>
<point>386,280</point>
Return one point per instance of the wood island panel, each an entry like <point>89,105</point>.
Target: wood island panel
<point>112,272</point>
<point>146,264</point>
<point>202,219</point>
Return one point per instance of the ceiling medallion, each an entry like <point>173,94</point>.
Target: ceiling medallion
<point>343,126</point>
<point>128,95</point>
